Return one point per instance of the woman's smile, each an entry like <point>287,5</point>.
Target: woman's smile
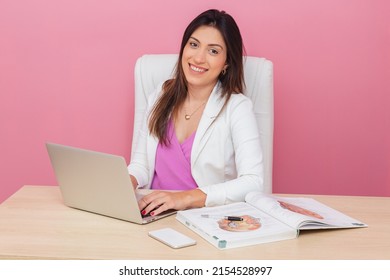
<point>197,68</point>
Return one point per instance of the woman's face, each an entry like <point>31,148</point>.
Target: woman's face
<point>204,57</point>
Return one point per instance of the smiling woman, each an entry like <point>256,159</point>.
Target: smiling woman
<point>204,59</point>
<point>200,137</point>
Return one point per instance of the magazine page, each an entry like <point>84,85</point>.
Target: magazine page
<point>255,227</point>
<point>302,213</point>
<point>271,205</point>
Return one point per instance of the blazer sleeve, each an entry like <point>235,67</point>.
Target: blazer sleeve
<point>139,164</point>
<point>247,156</point>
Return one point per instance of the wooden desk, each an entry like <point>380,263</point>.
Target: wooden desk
<point>34,224</point>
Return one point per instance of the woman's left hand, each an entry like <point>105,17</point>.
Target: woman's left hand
<point>160,201</point>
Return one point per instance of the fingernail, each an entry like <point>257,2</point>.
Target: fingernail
<point>152,214</point>
<point>143,212</point>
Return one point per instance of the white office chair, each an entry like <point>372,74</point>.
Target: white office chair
<point>151,70</point>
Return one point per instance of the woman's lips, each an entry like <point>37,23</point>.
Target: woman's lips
<point>197,68</point>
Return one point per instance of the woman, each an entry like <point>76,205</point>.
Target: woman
<point>200,136</point>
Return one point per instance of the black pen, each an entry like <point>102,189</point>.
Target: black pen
<point>229,218</point>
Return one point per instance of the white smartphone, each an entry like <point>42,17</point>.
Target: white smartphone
<point>172,238</point>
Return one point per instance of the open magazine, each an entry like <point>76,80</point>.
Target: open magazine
<point>261,219</point>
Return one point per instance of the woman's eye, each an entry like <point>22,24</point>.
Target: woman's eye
<point>214,51</point>
<point>193,44</point>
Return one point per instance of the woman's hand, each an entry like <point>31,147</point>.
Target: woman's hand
<point>160,201</point>
<point>134,181</point>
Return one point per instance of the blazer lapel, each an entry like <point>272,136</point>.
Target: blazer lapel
<point>213,107</point>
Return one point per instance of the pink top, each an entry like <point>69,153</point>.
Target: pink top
<point>173,164</point>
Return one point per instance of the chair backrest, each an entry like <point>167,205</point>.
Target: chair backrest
<point>151,70</point>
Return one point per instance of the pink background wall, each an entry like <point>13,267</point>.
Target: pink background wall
<point>66,75</point>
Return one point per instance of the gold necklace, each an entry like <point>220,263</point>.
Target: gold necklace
<point>188,116</point>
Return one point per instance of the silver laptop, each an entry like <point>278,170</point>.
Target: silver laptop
<point>97,182</point>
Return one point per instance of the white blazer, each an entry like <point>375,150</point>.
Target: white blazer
<point>226,156</point>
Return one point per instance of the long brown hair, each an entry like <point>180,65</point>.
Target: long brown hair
<point>175,90</point>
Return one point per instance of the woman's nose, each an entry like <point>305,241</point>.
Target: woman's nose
<point>200,56</point>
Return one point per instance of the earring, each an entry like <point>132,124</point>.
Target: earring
<point>224,72</point>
